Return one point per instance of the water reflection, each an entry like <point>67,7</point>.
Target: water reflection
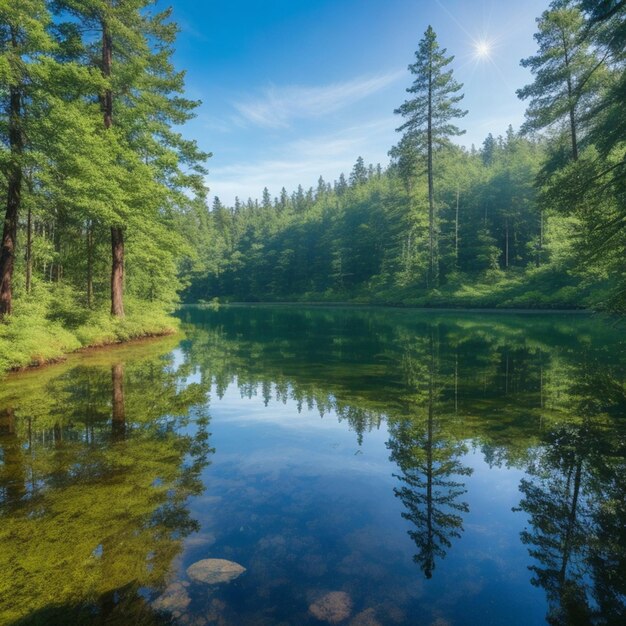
<point>575,499</point>
<point>514,387</point>
<point>372,454</point>
<point>430,461</point>
<point>95,477</point>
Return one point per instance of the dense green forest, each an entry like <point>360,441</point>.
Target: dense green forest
<point>106,217</point>
<point>532,219</point>
<point>100,189</point>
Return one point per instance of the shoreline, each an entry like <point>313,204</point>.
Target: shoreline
<point>30,338</point>
<point>90,349</point>
<point>102,346</point>
<point>401,307</point>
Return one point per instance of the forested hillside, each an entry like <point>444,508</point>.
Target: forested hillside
<point>100,190</point>
<point>106,222</point>
<point>532,219</point>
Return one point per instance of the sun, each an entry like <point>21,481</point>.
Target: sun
<point>482,49</point>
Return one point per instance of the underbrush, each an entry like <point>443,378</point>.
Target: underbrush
<point>530,288</point>
<point>45,327</point>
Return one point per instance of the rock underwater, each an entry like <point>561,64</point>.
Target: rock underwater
<point>214,571</point>
<point>333,608</point>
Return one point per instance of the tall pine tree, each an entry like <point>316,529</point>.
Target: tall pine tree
<point>140,104</point>
<point>23,43</point>
<point>565,70</point>
<point>429,114</point>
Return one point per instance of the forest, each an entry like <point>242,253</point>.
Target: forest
<point>534,219</point>
<point>108,227</point>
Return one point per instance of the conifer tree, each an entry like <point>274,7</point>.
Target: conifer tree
<point>341,185</point>
<point>358,176</point>
<point>565,72</point>
<point>321,188</point>
<point>23,43</point>
<point>428,127</point>
<point>140,102</point>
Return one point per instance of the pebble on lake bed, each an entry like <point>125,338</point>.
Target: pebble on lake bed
<point>174,599</point>
<point>214,571</point>
<point>333,607</point>
<point>365,618</point>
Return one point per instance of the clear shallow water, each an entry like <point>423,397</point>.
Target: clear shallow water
<point>439,469</point>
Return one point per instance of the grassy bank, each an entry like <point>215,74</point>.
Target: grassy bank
<point>44,329</point>
<point>537,288</point>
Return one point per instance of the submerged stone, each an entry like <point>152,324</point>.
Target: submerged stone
<point>174,599</point>
<point>214,571</point>
<point>365,618</point>
<point>333,608</point>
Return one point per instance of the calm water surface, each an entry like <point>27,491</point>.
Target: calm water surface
<point>438,469</point>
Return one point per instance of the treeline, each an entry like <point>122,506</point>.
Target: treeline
<point>99,187</point>
<point>370,233</point>
<point>535,218</point>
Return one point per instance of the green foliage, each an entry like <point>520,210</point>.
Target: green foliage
<point>80,177</point>
<point>50,322</point>
<point>369,243</point>
<point>109,507</point>
<point>526,221</point>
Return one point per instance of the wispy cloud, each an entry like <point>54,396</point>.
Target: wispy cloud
<point>277,107</point>
<point>303,161</point>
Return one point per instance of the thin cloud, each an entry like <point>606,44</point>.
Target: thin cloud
<point>277,107</point>
<point>303,161</point>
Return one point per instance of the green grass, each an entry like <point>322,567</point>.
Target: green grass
<point>531,288</point>
<point>44,329</point>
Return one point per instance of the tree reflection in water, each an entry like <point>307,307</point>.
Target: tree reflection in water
<point>98,460</point>
<point>575,499</point>
<point>429,461</point>
<point>95,476</point>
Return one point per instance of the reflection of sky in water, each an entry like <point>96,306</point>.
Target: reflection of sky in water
<point>293,498</point>
<point>127,466</point>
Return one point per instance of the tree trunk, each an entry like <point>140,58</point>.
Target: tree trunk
<point>540,250</point>
<point>456,230</point>
<point>432,274</point>
<point>29,251</point>
<point>89,266</point>
<point>572,519</point>
<point>506,246</point>
<point>13,460</point>
<point>429,566</point>
<point>14,199</point>
<point>118,424</point>
<point>117,234</point>
<point>117,272</point>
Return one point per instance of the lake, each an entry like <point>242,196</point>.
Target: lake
<point>365,466</point>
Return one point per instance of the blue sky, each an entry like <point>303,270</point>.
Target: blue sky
<point>295,89</point>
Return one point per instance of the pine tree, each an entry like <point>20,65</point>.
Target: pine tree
<point>23,43</point>
<point>321,188</point>
<point>266,201</point>
<point>488,150</point>
<point>607,31</point>
<point>358,176</point>
<point>565,70</point>
<point>140,103</point>
<point>341,185</point>
<point>284,200</point>
<point>428,127</point>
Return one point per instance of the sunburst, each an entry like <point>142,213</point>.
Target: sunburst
<point>483,49</point>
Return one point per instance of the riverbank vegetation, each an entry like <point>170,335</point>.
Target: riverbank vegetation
<point>106,220</point>
<point>99,186</point>
<point>532,219</point>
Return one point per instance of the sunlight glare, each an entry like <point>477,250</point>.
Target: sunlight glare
<point>482,49</point>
